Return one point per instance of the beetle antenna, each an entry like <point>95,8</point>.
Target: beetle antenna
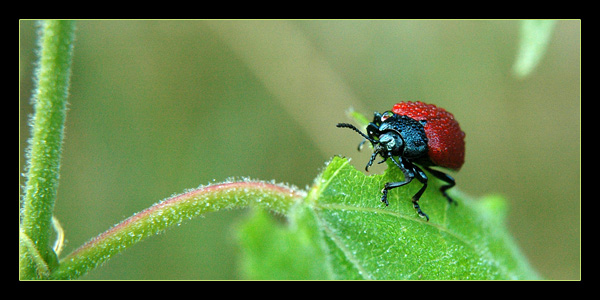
<point>346,125</point>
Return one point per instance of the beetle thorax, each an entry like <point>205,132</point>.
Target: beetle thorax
<point>403,136</point>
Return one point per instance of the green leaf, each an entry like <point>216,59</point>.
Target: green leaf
<point>298,242</point>
<point>357,237</point>
<point>534,39</point>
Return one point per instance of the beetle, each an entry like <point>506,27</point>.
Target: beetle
<point>415,135</point>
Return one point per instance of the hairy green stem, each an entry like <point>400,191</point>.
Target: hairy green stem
<point>50,99</point>
<point>173,211</point>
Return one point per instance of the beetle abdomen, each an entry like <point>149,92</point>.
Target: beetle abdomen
<point>446,139</point>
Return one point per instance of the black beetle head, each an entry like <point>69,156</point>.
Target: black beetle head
<point>381,133</point>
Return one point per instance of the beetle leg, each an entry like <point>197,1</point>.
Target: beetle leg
<point>420,175</point>
<point>410,172</point>
<point>408,177</point>
<point>361,144</point>
<point>445,178</point>
<point>373,156</point>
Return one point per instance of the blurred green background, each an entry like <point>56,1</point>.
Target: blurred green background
<point>157,107</point>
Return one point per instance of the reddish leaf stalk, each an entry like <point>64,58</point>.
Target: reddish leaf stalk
<point>173,211</point>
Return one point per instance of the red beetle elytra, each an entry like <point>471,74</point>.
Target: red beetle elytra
<point>411,134</point>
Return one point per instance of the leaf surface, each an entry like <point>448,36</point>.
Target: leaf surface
<point>343,231</point>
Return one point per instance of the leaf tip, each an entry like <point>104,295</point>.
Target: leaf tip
<point>495,206</point>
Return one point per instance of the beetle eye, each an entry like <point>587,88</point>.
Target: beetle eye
<point>386,115</point>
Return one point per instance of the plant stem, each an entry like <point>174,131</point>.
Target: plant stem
<point>173,211</point>
<point>50,98</point>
